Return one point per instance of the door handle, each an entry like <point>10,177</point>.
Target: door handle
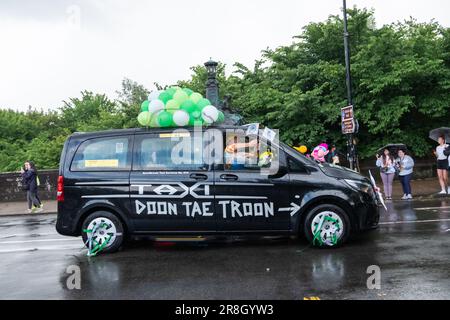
<point>199,176</point>
<point>229,177</point>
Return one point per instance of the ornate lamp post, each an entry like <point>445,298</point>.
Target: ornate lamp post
<point>212,85</point>
<point>212,94</point>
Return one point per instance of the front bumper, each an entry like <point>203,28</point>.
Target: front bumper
<point>368,213</point>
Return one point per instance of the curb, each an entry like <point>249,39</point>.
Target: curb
<point>21,214</point>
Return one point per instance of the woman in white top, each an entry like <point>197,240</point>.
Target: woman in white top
<point>442,165</point>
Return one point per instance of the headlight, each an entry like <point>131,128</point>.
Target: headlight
<point>360,186</point>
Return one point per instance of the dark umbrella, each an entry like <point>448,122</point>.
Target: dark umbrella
<point>436,133</point>
<point>393,148</point>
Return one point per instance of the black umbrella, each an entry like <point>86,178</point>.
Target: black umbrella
<point>393,148</point>
<point>436,133</point>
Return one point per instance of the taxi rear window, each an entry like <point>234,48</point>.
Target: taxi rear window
<point>102,154</point>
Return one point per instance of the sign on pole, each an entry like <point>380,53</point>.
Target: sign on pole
<point>348,121</point>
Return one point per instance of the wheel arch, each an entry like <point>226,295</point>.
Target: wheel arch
<point>101,207</point>
<point>331,200</point>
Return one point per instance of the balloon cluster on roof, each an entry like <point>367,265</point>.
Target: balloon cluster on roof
<point>178,107</point>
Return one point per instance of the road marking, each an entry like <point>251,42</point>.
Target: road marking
<point>432,208</point>
<point>311,298</point>
<point>37,240</point>
<point>412,221</point>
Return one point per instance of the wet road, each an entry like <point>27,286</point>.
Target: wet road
<point>411,247</point>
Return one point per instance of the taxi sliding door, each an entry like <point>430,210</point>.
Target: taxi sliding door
<point>248,198</point>
<point>170,183</point>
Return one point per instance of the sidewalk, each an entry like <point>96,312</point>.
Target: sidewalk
<point>422,189</point>
<point>20,208</point>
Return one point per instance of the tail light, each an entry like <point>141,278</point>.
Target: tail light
<point>60,189</point>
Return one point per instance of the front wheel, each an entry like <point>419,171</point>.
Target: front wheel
<point>102,231</point>
<point>327,226</point>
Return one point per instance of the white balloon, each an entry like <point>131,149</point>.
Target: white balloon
<point>154,95</point>
<point>155,106</point>
<point>210,114</point>
<point>180,118</point>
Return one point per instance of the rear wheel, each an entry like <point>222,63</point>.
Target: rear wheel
<point>327,226</point>
<point>102,231</point>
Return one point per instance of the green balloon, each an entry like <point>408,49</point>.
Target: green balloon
<point>180,96</point>
<point>195,97</point>
<point>171,92</point>
<point>144,105</point>
<point>154,120</point>
<point>164,97</point>
<point>196,113</point>
<point>144,118</point>
<point>203,103</point>
<point>165,119</point>
<point>221,117</point>
<point>188,91</point>
<point>194,121</point>
<point>188,106</point>
<point>172,104</point>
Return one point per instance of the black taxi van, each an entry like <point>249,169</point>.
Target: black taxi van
<point>214,181</point>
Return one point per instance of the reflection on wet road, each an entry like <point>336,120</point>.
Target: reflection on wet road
<point>411,247</point>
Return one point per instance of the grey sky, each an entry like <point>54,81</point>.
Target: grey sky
<point>51,50</point>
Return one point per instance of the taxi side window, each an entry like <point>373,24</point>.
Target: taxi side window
<point>102,154</point>
<point>166,152</point>
<point>296,166</point>
<point>248,153</point>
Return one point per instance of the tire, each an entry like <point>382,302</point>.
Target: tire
<point>334,232</point>
<point>113,229</point>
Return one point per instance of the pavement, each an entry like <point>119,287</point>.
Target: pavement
<point>422,189</point>
<point>411,248</point>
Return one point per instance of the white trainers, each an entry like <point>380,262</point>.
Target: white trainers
<point>29,210</point>
<point>442,192</point>
<point>39,210</point>
<point>409,196</point>
<point>404,197</point>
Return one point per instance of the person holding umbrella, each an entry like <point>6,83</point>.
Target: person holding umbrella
<point>405,165</point>
<point>441,135</point>
<point>442,165</point>
<point>387,171</point>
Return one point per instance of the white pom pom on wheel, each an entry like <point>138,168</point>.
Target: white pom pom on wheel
<point>210,114</point>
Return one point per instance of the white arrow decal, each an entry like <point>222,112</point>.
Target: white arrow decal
<point>293,209</point>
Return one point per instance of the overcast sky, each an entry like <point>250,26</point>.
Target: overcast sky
<point>51,50</point>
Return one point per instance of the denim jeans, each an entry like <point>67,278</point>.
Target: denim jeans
<point>406,183</point>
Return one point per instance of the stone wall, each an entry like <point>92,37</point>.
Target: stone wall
<point>11,186</point>
<point>11,182</point>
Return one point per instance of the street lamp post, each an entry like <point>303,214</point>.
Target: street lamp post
<point>212,85</point>
<point>351,148</point>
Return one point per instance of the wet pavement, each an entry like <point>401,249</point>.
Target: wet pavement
<point>411,248</point>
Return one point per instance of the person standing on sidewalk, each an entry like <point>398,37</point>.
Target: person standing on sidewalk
<point>387,172</point>
<point>405,165</point>
<point>442,164</point>
<point>29,181</point>
<point>447,153</point>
